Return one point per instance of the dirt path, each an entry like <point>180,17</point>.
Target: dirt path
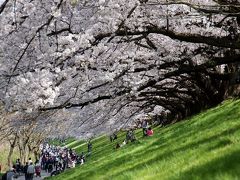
<point>43,175</point>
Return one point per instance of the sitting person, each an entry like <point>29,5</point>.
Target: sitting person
<point>81,161</point>
<point>123,143</point>
<point>149,132</point>
<point>113,137</point>
<point>117,146</point>
<point>130,136</point>
<point>73,164</point>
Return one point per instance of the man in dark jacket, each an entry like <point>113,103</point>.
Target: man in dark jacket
<point>25,171</point>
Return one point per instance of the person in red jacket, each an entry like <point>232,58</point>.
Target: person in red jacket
<point>149,132</point>
<point>38,169</point>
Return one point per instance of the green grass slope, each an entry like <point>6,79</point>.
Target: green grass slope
<point>206,146</point>
<point>67,141</point>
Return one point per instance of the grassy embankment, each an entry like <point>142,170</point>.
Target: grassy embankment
<point>67,141</point>
<point>206,146</point>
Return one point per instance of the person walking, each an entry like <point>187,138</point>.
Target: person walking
<point>89,147</point>
<point>30,171</point>
<point>38,169</point>
<point>11,174</point>
<point>25,168</point>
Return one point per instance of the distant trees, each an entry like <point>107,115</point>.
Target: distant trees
<point>25,133</point>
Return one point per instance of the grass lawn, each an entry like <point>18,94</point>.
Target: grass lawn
<point>206,146</point>
<point>57,142</point>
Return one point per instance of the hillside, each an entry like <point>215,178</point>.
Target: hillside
<point>206,146</point>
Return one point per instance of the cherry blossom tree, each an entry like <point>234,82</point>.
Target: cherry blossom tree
<point>104,62</point>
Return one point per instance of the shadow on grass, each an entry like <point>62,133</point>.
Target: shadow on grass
<point>178,132</point>
<point>180,137</point>
<point>121,162</point>
<point>216,119</point>
<point>226,166</point>
<point>220,144</point>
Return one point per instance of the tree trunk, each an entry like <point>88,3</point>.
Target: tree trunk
<point>20,154</point>
<point>36,155</point>
<point>25,153</point>
<point>12,145</point>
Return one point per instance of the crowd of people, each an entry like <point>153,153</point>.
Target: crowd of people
<point>53,160</point>
<point>56,159</point>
